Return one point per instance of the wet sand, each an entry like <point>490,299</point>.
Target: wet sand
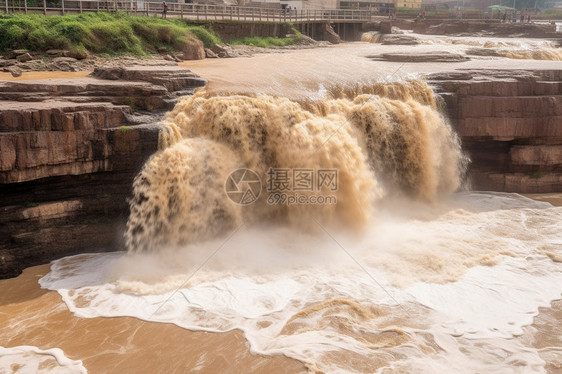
<point>30,315</point>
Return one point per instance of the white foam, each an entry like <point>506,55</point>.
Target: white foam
<point>27,359</point>
<point>468,274</point>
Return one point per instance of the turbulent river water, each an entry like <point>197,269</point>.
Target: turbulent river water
<point>386,263</point>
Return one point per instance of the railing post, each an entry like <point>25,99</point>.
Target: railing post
<point>147,8</point>
<point>25,6</point>
<point>6,6</point>
<point>181,10</point>
<point>80,6</point>
<point>44,6</point>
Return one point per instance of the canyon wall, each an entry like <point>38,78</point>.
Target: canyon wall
<point>69,150</point>
<point>510,123</point>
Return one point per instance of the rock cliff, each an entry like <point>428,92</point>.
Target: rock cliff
<point>510,123</point>
<point>69,150</point>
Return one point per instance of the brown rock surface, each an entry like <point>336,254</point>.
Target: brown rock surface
<point>173,78</point>
<point>24,58</point>
<point>510,123</point>
<point>14,70</point>
<point>399,39</point>
<point>193,49</point>
<point>463,27</point>
<point>482,52</point>
<point>420,57</point>
<point>15,53</point>
<point>4,63</point>
<point>386,27</point>
<point>69,150</point>
<point>77,54</point>
<point>331,36</point>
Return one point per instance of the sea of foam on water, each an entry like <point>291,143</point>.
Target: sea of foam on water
<point>441,287</point>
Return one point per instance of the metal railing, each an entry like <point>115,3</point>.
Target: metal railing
<point>200,12</point>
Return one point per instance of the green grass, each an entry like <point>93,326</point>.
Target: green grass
<point>100,33</point>
<point>266,42</point>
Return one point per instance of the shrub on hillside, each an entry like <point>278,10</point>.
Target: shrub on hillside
<point>102,32</point>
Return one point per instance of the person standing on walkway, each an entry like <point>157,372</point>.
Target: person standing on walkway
<point>164,9</point>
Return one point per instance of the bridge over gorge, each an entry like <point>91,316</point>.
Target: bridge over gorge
<point>307,21</point>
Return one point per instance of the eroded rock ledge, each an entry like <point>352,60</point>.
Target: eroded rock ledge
<point>510,123</point>
<point>69,150</point>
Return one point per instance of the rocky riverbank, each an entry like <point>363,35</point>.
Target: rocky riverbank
<point>472,28</point>
<point>69,150</point>
<point>510,123</point>
<point>17,62</point>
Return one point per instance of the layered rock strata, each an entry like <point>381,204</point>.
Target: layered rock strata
<point>69,150</point>
<point>510,123</point>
